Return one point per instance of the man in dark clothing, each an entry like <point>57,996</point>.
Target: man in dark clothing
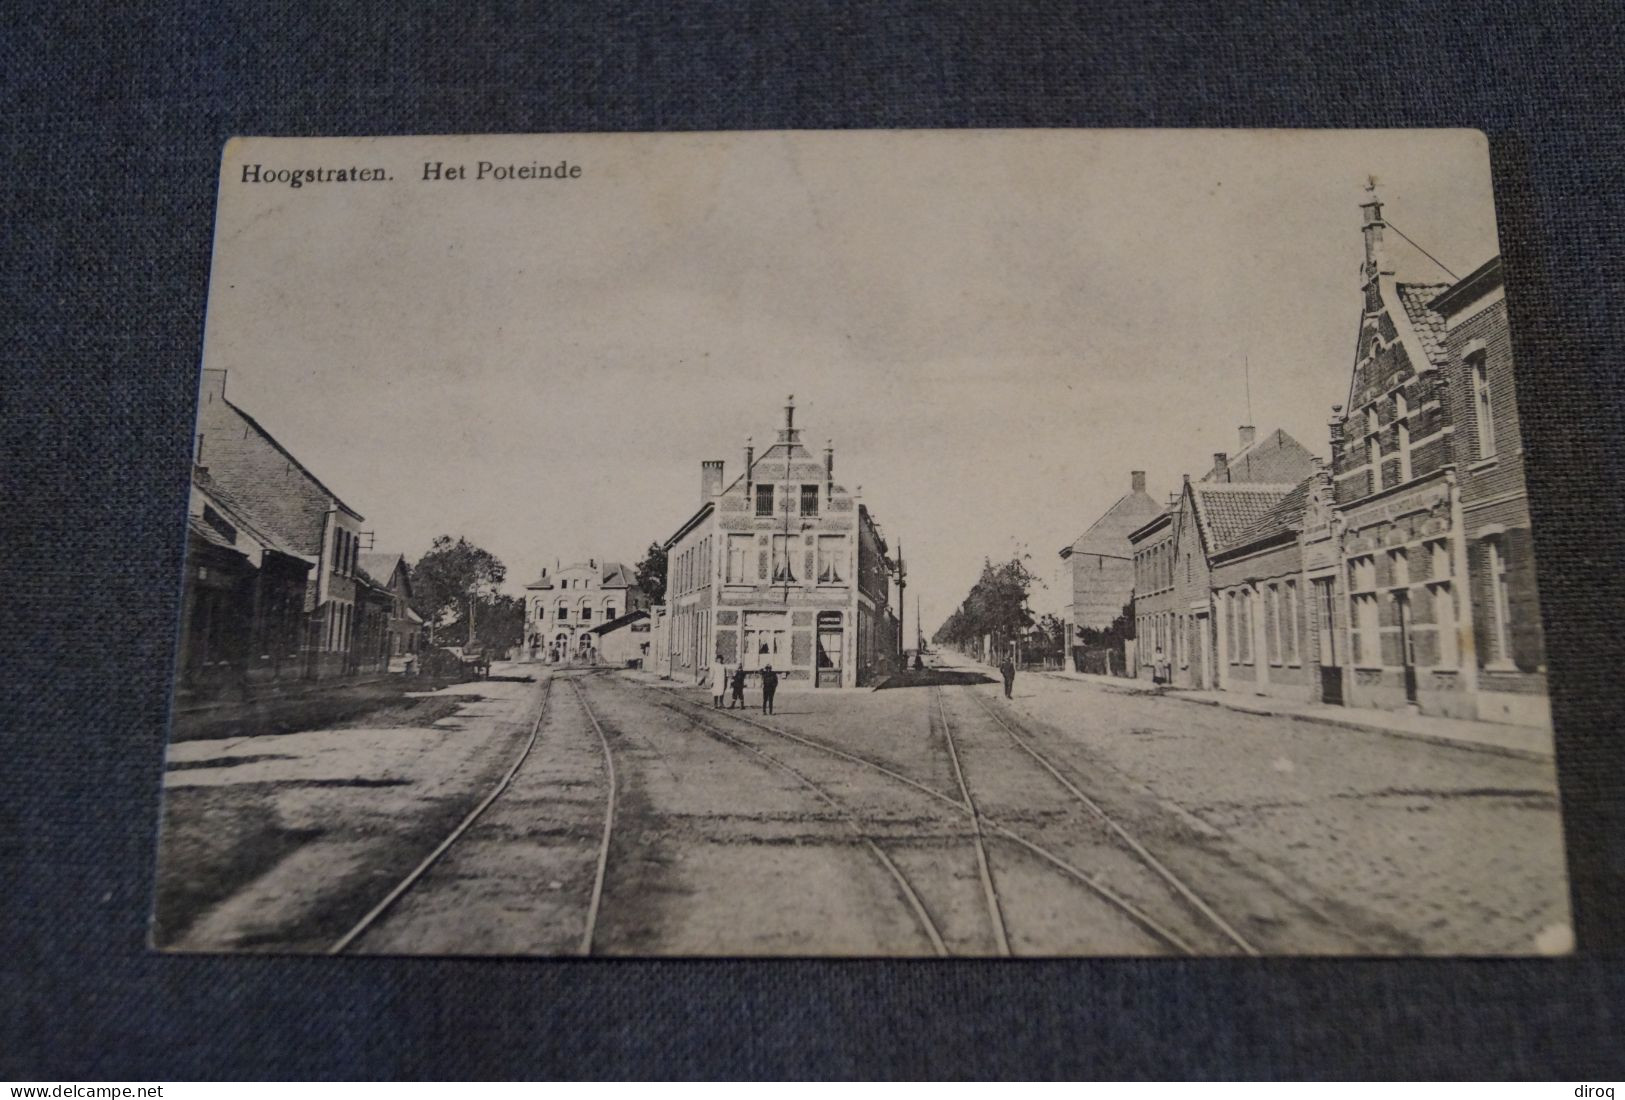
<point>1008,671</point>
<point>738,686</point>
<point>770,684</point>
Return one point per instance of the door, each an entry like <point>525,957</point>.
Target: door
<point>831,644</point>
<point>1198,653</point>
<point>1331,670</point>
<point>1407,648</point>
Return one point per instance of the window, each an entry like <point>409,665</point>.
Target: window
<point>766,634</point>
<point>1373,450</point>
<point>1187,567</point>
<point>1439,560</point>
<point>609,612</point>
<point>1401,414</point>
<point>1444,618</point>
<point>1483,410</point>
<point>1272,624</point>
<point>1289,625</point>
<point>831,559</point>
<point>764,500</point>
<point>1362,573</point>
<point>1230,628</point>
<point>564,613</point>
<point>1245,627</point>
<point>809,500</point>
<point>738,555</point>
<point>1324,599</point>
<point>1500,627</point>
<point>784,568</point>
<point>1366,632</point>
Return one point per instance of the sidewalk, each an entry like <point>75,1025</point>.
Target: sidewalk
<point>1527,742</point>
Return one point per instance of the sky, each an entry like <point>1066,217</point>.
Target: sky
<point>993,327</point>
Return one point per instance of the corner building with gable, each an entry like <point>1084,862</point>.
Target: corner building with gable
<point>1403,631</point>
<point>781,566</point>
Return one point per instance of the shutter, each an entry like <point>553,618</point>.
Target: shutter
<point>1478,564</point>
<point>1523,604</point>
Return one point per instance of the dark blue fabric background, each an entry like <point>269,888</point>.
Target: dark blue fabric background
<point>110,135</point>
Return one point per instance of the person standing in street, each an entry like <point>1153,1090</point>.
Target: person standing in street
<point>738,689</point>
<point>770,684</point>
<point>1007,669</point>
<point>719,682</point>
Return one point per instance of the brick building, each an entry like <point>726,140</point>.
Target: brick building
<point>781,567</point>
<point>1151,545</point>
<point>562,610</point>
<point>403,626</point>
<point>1258,589</point>
<point>1100,563</point>
<point>283,497</point>
<point>1507,639</point>
<point>243,605</point>
<point>1397,506</point>
<point>1206,636</point>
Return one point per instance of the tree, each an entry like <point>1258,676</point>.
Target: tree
<point>499,623</point>
<point>452,580</point>
<point>650,573</point>
<point>996,606</point>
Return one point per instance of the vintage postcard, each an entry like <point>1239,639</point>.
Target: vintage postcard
<point>946,543</point>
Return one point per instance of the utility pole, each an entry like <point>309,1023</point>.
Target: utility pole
<point>902,587</point>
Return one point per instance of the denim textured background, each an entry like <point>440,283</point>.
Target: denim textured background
<point>109,142</point>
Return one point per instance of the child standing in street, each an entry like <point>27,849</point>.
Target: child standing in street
<point>719,682</point>
<point>738,689</point>
<point>770,684</point>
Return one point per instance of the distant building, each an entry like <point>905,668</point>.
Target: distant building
<point>1100,563</point>
<point>404,626</point>
<point>243,607</point>
<point>1207,638</point>
<point>624,642</point>
<point>781,567</point>
<point>1258,587</point>
<point>563,609</point>
<point>283,497</point>
<point>1508,642</point>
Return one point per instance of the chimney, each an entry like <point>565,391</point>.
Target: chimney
<point>750,466</point>
<point>1376,260</point>
<point>214,385</point>
<point>1248,434</point>
<point>829,470</point>
<point>1136,481</point>
<point>710,479</point>
<point>1221,466</point>
<point>788,433</point>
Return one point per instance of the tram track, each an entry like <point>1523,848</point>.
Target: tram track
<point>910,895</point>
<point>379,913</point>
<point>1174,881</point>
<point>1148,923</point>
<point>995,911</point>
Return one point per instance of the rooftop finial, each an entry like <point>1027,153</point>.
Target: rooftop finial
<point>790,411</point>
